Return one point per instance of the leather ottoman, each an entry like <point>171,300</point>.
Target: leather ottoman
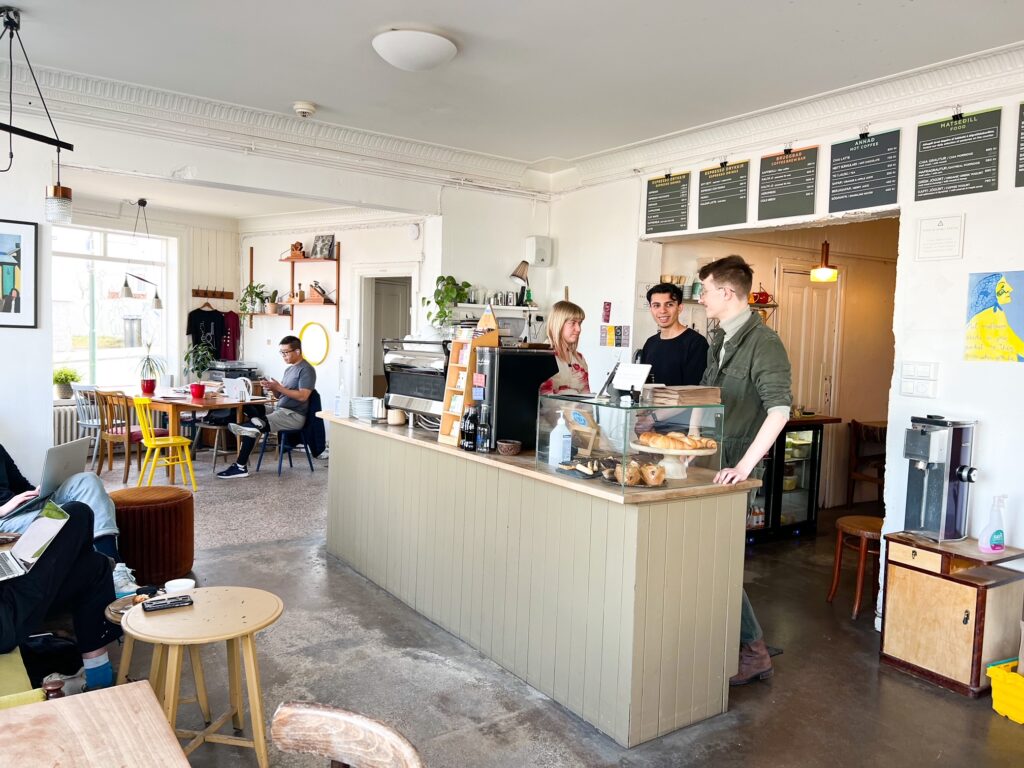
<point>157,537</point>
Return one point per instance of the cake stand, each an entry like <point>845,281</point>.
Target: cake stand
<point>674,461</point>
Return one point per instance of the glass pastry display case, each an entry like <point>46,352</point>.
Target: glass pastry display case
<point>629,447</point>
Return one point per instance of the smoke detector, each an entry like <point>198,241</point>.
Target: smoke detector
<point>304,109</point>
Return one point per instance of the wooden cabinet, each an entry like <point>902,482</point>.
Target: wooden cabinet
<point>949,610</point>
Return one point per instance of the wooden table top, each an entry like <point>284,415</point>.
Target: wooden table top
<point>217,613</point>
<point>119,726</point>
<point>170,397</point>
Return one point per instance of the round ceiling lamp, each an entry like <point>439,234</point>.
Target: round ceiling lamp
<point>412,50</point>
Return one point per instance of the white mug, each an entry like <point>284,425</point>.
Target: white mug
<point>179,585</point>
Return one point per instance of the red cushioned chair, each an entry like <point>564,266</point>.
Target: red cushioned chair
<point>115,416</point>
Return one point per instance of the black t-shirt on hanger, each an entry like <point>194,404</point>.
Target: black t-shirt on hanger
<point>206,325</point>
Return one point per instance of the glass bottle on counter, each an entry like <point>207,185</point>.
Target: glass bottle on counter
<point>469,426</point>
<point>483,437</point>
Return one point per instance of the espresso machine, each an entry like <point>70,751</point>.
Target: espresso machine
<point>938,483</point>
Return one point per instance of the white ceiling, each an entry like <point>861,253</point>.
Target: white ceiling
<point>534,79</point>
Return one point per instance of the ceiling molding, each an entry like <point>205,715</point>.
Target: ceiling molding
<point>968,80</point>
<point>327,220</point>
<point>134,108</point>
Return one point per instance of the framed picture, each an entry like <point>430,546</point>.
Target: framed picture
<point>19,274</point>
<point>323,247</point>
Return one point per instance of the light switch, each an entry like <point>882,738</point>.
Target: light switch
<point>907,388</point>
<point>908,370</point>
<point>923,371</point>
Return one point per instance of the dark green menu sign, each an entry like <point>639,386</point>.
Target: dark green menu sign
<point>723,195</point>
<point>958,157</point>
<point>1020,147</point>
<point>668,203</point>
<point>865,172</point>
<point>787,184</point>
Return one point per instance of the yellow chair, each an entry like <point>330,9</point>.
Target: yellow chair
<point>177,447</point>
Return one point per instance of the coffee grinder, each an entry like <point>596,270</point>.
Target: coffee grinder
<point>938,481</point>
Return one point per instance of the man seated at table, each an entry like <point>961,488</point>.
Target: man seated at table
<point>292,392</point>
<point>86,487</point>
<point>70,574</point>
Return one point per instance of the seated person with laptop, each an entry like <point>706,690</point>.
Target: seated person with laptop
<point>293,392</point>
<point>57,567</point>
<point>63,481</point>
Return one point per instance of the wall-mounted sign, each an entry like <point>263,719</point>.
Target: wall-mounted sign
<point>614,335</point>
<point>787,184</point>
<point>1020,147</point>
<point>668,203</point>
<point>865,172</point>
<point>958,156</point>
<point>940,237</point>
<point>723,195</point>
<point>995,322</point>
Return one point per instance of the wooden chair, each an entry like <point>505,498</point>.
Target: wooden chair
<point>88,412</point>
<point>115,411</point>
<point>348,739</point>
<point>856,532</point>
<point>861,464</point>
<point>177,447</point>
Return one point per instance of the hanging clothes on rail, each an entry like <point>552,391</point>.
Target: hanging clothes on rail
<point>206,326</point>
<point>229,342</point>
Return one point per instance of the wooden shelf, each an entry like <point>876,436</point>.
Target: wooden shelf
<point>325,303</point>
<point>296,261</point>
<point>449,431</point>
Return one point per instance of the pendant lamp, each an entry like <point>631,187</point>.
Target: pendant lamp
<point>823,273</point>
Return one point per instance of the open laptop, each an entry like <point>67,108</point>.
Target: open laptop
<point>238,389</point>
<point>63,461</point>
<point>19,559</point>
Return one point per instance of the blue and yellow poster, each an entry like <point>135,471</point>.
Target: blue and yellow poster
<point>995,322</point>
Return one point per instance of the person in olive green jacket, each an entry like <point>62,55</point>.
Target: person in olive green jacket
<point>747,360</point>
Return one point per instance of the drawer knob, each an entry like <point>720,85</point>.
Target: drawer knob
<point>913,554</point>
<point>967,617</point>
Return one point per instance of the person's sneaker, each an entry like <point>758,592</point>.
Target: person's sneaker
<point>234,471</point>
<point>260,424</point>
<point>244,431</point>
<point>72,683</point>
<point>124,581</point>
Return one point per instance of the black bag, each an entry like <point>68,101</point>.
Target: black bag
<point>47,653</point>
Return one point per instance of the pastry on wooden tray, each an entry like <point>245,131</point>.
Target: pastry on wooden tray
<point>652,474</point>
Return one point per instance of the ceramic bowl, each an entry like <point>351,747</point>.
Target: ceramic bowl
<point>179,585</point>
<point>509,447</point>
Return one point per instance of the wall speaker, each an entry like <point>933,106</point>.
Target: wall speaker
<point>538,251</point>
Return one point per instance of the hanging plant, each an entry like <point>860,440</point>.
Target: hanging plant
<point>447,293</point>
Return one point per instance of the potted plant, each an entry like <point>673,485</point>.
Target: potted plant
<point>447,293</point>
<point>151,368</point>
<point>197,360</point>
<point>62,380</point>
<point>251,300</point>
<point>272,303</point>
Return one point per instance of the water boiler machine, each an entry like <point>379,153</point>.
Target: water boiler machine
<point>938,482</point>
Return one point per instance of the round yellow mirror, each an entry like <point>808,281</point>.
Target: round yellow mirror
<point>315,343</point>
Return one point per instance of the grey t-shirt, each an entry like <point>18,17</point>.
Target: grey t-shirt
<point>302,375</point>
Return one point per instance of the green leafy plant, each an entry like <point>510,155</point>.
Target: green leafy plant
<point>151,366</point>
<point>253,294</point>
<point>198,358</point>
<point>65,376</point>
<point>447,293</point>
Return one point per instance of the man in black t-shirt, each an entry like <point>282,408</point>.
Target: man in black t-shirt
<point>677,355</point>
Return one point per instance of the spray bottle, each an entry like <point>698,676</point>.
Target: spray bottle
<point>992,538</point>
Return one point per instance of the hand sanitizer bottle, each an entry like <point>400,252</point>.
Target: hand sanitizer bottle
<point>559,443</point>
<point>992,538</point>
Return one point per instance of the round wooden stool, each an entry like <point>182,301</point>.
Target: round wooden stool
<point>231,614</point>
<point>856,532</point>
<point>157,531</point>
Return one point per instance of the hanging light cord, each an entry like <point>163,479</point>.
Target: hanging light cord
<point>141,203</point>
<point>12,30</point>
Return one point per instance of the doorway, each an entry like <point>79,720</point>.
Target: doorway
<point>386,314</point>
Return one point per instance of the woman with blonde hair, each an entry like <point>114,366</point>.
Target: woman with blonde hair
<point>564,335</point>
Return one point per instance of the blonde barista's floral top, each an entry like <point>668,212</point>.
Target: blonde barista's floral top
<point>571,377</point>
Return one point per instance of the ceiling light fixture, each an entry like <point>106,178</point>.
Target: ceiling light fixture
<point>823,273</point>
<point>413,50</point>
<point>58,198</point>
<point>126,290</point>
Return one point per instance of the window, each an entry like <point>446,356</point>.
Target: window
<point>95,330</point>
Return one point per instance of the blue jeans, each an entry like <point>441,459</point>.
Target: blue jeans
<point>85,487</point>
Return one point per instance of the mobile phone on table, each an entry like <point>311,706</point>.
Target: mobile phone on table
<point>163,603</point>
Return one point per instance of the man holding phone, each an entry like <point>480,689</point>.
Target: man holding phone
<point>292,391</point>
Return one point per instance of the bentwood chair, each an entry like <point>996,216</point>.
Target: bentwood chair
<point>867,457</point>
<point>88,412</point>
<point>115,409</point>
<point>176,447</point>
<point>348,739</point>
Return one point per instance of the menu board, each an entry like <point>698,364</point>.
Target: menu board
<point>865,172</point>
<point>1020,147</point>
<point>958,156</point>
<point>723,195</point>
<point>787,184</point>
<point>668,203</point>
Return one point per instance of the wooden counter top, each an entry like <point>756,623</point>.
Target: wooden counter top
<point>811,421</point>
<point>698,483</point>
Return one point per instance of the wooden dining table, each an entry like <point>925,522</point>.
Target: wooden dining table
<point>122,725</point>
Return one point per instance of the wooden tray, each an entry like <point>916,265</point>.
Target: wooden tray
<point>671,452</point>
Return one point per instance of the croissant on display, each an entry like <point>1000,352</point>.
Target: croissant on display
<point>630,474</point>
<point>645,438</point>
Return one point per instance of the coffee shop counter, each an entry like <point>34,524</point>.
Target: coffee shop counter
<point>622,606</point>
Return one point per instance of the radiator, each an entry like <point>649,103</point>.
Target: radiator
<point>65,424</point>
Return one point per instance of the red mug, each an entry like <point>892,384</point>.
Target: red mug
<point>197,390</point>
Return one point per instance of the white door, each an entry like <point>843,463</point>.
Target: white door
<point>809,328</point>
<point>387,304</point>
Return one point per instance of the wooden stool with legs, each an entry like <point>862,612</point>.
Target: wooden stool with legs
<point>856,532</point>
<point>348,739</point>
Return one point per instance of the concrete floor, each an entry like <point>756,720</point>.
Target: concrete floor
<point>343,641</point>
